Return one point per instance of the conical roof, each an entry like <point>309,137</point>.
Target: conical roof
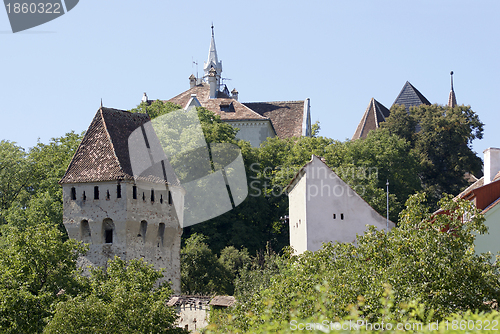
<point>410,97</point>
<point>103,154</point>
<point>373,116</point>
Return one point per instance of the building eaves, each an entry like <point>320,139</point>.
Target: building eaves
<point>286,116</point>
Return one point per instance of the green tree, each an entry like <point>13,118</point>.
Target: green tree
<point>41,199</point>
<point>428,261</point>
<point>15,176</point>
<point>201,271</point>
<point>442,144</point>
<point>123,298</point>
<point>35,266</point>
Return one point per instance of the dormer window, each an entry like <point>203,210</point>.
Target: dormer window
<point>227,107</point>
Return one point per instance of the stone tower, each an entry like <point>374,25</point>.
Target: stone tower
<point>115,212</point>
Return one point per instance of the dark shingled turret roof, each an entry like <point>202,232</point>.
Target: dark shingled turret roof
<point>374,115</point>
<point>103,154</point>
<point>410,97</point>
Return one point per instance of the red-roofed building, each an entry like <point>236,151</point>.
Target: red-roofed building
<point>485,194</point>
<point>256,121</point>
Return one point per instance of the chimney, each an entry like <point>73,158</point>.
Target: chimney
<point>234,94</point>
<point>212,81</point>
<point>491,163</point>
<point>192,81</point>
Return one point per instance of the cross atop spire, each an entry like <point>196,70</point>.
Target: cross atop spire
<point>452,100</point>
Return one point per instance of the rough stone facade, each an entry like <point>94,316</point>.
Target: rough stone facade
<point>115,213</point>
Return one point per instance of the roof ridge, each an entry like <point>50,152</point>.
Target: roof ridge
<point>296,101</point>
<point>111,141</point>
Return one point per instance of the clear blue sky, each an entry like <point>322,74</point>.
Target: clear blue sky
<point>338,53</point>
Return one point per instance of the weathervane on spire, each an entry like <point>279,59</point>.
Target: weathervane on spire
<point>212,29</point>
<point>451,74</point>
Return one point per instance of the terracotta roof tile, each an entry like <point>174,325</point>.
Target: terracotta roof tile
<point>238,111</point>
<point>103,154</point>
<point>225,301</point>
<point>373,116</point>
<point>286,116</point>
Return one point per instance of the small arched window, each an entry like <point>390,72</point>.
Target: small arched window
<point>108,228</point>
<point>85,233</point>
<point>143,230</point>
<point>161,234</point>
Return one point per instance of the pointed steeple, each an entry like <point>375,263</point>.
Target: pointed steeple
<point>213,60</point>
<point>452,100</point>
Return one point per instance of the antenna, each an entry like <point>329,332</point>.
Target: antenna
<point>195,63</point>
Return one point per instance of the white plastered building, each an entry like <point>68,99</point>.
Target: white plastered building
<point>323,208</point>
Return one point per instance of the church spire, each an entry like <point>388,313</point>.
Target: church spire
<point>213,60</point>
<point>452,100</point>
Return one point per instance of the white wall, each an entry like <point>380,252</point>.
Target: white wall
<point>490,242</point>
<point>126,214</point>
<point>327,195</point>
<point>297,217</point>
<point>253,131</point>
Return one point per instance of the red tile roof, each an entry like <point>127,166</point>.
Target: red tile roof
<point>286,117</point>
<point>202,91</point>
<point>373,116</point>
<point>103,154</point>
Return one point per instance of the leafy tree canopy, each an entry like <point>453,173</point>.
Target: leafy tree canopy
<point>428,263</point>
<point>441,143</point>
<point>121,299</point>
<point>35,266</point>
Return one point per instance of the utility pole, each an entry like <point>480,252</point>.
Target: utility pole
<point>387,225</point>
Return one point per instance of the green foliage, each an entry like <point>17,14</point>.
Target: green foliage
<point>441,130</point>
<point>202,272</point>
<point>121,299</point>
<point>315,129</point>
<point>15,175</point>
<point>428,263</point>
<point>40,199</point>
<point>155,108</point>
<point>35,265</point>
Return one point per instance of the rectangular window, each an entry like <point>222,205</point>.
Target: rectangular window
<point>342,216</point>
<point>73,193</point>
<point>96,192</point>
<point>152,195</point>
<point>334,216</point>
<point>108,236</point>
<point>169,197</point>
<point>119,191</point>
<point>134,192</point>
